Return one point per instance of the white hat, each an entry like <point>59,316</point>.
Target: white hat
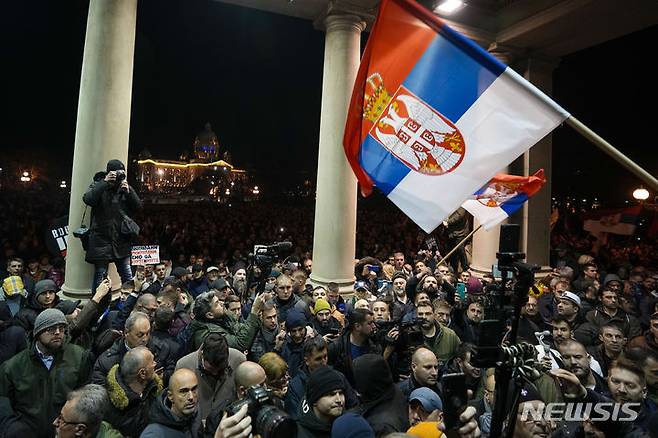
<point>566,295</point>
<point>212,268</point>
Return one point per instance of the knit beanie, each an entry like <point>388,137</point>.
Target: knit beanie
<point>115,165</point>
<point>322,381</point>
<point>320,305</point>
<point>351,425</point>
<point>399,274</point>
<point>295,319</point>
<point>48,318</point>
<point>44,286</point>
<point>474,286</point>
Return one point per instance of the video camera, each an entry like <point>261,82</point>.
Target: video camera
<point>411,333</point>
<point>264,256</point>
<point>267,418</point>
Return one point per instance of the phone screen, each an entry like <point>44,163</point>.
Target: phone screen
<point>456,398</point>
<point>461,290</point>
<point>496,272</point>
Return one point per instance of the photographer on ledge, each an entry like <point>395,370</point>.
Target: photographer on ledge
<point>110,235</point>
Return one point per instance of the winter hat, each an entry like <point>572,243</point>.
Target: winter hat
<point>399,274</point>
<point>611,277</point>
<point>48,318</point>
<point>44,286</point>
<point>218,284</point>
<point>474,286</point>
<point>351,425</point>
<point>372,376</point>
<point>212,268</point>
<point>322,381</point>
<point>295,319</point>
<point>13,285</point>
<point>320,305</point>
<point>115,165</point>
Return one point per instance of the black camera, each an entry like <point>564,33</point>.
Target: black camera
<point>411,333</point>
<point>120,175</point>
<point>267,418</point>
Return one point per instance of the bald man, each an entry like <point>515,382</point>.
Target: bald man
<point>424,372</point>
<point>247,374</point>
<point>176,413</point>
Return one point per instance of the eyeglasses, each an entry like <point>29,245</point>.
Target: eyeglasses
<point>56,328</point>
<point>61,421</point>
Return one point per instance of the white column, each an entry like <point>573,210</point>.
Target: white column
<point>334,237</point>
<point>535,225</point>
<point>485,246</point>
<point>103,116</point>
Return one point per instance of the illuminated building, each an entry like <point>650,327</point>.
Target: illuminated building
<point>202,176</point>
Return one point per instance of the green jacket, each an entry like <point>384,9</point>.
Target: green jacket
<point>444,345</point>
<point>37,394</point>
<point>238,335</point>
<point>107,431</point>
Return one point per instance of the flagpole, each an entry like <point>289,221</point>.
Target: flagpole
<point>459,244</point>
<point>613,152</point>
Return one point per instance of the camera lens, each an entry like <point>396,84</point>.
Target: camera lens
<point>272,422</point>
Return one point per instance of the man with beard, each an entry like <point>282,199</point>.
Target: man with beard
<point>442,341</point>
<point>323,323</point>
<point>324,402</point>
<point>576,360</point>
<point>175,415</point>
<point>355,341</point>
<point>240,282</point>
<point>612,345</point>
<point>35,381</point>
<point>285,299</point>
<point>627,384</point>
<point>266,337</point>
<point>424,373</point>
<point>210,316</point>
<point>430,285</point>
<point>401,303</point>
<point>465,323</point>
<point>292,350</point>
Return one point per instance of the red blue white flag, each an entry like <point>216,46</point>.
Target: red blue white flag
<point>621,221</point>
<point>502,196</point>
<point>433,116</point>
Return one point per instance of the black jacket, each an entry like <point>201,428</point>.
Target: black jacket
<point>128,412</point>
<point>27,315</point>
<point>106,242</point>
<point>310,426</point>
<point>164,424</point>
<point>340,356</point>
<point>387,414</point>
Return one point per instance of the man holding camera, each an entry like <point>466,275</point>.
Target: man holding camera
<point>110,236</point>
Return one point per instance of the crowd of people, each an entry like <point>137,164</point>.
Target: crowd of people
<point>212,343</point>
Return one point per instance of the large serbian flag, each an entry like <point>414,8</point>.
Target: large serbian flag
<point>433,117</point>
<point>502,196</point>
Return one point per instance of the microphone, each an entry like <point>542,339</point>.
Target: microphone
<point>281,246</point>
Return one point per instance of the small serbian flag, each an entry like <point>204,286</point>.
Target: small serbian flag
<point>621,221</point>
<point>433,117</point>
<point>502,196</point>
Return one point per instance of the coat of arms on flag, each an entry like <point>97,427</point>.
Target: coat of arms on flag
<point>411,130</point>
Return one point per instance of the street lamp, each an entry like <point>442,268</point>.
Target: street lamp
<point>641,194</point>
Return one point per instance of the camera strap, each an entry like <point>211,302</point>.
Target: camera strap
<point>84,213</point>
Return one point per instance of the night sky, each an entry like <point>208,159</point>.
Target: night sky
<point>257,78</point>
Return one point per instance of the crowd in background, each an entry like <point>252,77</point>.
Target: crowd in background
<point>177,347</point>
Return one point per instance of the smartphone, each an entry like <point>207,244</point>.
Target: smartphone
<point>455,400</point>
<point>496,272</point>
<point>334,331</point>
<point>461,290</point>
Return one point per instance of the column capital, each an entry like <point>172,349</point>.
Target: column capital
<point>337,22</point>
<point>505,53</point>
<point>342,15</point>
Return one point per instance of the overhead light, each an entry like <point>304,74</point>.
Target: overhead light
<point>449,6</point>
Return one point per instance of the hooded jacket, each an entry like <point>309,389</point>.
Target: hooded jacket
<point>238,335</point>
<point>163,423</point>
<point>310,426</point>
<point>27,315</point>
<point>128,412</point>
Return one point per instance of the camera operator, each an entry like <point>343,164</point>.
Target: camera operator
<point>112,201</point>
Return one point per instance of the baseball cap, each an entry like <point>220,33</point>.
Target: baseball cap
<point>212,268</point>
<point>428,398</point>
<point>361,285</point>
<point>566,295</point>
<point>178,272</point>
<point>219,284</point>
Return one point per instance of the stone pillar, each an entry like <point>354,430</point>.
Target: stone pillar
<point>334,236</point>
<point>535,223</point>
<point>103,117</point>
<point>485,246</point>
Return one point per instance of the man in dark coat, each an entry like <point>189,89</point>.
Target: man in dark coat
<point>112,200</point>
<point>383,404</point>
<point>44,297</point>
<point>324,402</point>
<point>133,387</point>
<point>35,382</point>
<point>176,413</point>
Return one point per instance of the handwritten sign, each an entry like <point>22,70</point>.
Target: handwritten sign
<point>145,255</point>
